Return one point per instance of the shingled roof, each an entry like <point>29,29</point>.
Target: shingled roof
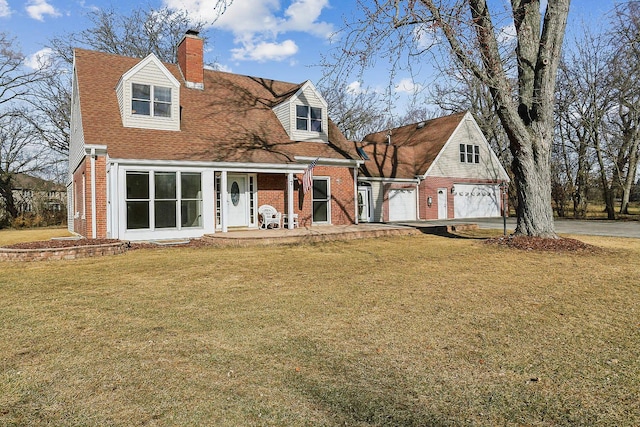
<point>412,150</point>
<point>229,121</point>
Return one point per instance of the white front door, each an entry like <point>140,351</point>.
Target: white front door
<point>237,201</point>
<point>442,203</point>
<point>364,209</point>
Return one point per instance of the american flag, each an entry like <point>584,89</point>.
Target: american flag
<point>307,178</point>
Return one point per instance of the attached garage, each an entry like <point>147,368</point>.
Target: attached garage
<point>476,201</point>
<point>402,204</point>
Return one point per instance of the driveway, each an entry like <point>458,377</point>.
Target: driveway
<point>563,226</point>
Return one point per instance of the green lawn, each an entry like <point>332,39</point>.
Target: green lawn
<point>405,331</point>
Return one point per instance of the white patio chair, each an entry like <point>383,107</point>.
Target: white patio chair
<point>270,217</point>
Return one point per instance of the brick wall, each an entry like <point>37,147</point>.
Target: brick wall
<point>82,222</point>
<point>272,191</point>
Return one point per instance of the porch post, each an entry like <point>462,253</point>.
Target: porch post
<point>224,209</point>
<point>355,194</point>
<point>290,200</point>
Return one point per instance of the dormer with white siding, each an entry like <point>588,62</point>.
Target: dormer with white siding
<point>304,115</point>
<point>149,96</point>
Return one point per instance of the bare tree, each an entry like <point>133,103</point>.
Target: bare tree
<point>391,27</point>
<point>584,101</point>
<point>20,152</point>
<point>142,32</point>
<point>624,36</point>
<point>15,79</point>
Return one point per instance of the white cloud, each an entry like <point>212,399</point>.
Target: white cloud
<point>40,59</point>
<point>355,88</point>
<point>5,10</point>
<point>265,51</point>
<point>425,36</point>
<point>407,85</point>
<point>256,24</point>
<point>507,34</point>
<point>37,9</point>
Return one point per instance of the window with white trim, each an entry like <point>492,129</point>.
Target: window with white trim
<point>142,97</point>
<point>158,200</point>
<point>469,153</point>
<point>308,118</point>
<point>321,200</point>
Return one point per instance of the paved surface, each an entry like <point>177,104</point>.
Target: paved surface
<point>563,226</point>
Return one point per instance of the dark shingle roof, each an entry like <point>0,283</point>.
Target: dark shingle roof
<point>230,120</point>
<point>412,150</point>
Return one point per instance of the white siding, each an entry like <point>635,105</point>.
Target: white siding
<point>377,196</point>
<point>150,74</point>
<point>283,112</point>
<point>311,98</point>
<point>448,163</point>
<point>76,142</point>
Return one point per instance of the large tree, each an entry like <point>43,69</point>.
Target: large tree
<point>525,108</point>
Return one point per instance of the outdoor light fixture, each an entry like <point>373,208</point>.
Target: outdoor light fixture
<point>429,201</point>
<point>453,189</point>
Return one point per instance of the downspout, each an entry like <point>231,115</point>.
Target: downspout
<point>290,201</point>
<point>223,201</point>
<point>418,199</point>
<point>94,222</point>
<point>355,193</point>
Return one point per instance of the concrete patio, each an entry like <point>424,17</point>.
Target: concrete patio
<point>318,233</point>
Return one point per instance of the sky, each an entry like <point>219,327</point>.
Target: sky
<point>277,39</point>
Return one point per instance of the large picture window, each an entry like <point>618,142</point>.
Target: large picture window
<point>308,118</point>
<point>142,97</point>
<point>157,200</point>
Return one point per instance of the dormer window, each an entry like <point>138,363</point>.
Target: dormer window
<point>308,118</point>
<point>141,96</point>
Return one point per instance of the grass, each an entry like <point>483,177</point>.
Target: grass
<point>410,331</point>
<point>12,236</point>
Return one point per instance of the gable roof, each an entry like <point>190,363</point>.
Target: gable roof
<point>231,120</point>
<point>412,150</point>
<point>22,181</point>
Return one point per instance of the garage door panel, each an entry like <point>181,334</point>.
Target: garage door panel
<point>476,201</point>
<point>402,205</point>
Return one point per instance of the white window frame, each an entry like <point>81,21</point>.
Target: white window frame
<point>470,153</point>
<point>308,119</point>
<point>327,199</point>
<point>151,200</point>
<point>152,101</point>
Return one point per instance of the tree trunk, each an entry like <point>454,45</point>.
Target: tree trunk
<point>7,195</point>
<point>631,174</point>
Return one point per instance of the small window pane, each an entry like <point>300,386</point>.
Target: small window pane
<point>476,149</point>
<point>165,214</point>
<point>191,213</point>
<point>320,189</point>
<point>316,113</point>
<point>301,124</point>
<point>469,153</point>
<point>191,186</point>
<point>162,94</point>
<point>462,153</point>
<point>320,211</point>
<point>137,215</point>
<point>302,111</point>
<point>161,109</point>
<point>165,185</point>
<point>141,91</point>
<point>141,107</point>
<point>137,185</point>
<point>316,125</point>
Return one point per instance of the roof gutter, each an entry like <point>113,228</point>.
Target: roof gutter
<point>327,161</point>
<point>390,180</point>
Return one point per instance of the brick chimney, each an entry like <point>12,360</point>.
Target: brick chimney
<point>190,59</point>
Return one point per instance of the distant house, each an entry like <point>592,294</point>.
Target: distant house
<point>36,195</point>
<point>437,169</point>
<point>164,151</point>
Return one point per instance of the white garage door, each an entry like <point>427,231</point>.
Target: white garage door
<point>476,201</point>
<point>402,205</point>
